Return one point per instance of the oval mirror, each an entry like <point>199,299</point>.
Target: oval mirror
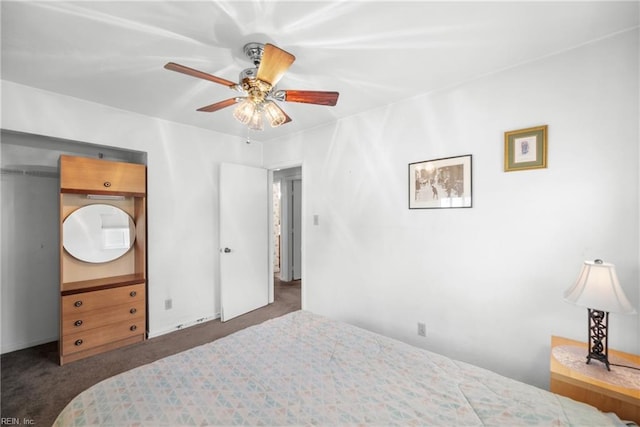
<point>98,233</point>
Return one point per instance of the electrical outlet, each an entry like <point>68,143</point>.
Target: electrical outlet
<point>168,304</point>
<point>422,329</point>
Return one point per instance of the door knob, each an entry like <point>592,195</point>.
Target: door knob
<point>227,250</point>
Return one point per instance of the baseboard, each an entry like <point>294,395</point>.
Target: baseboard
<point>154,334</point>
<point>22,345</point>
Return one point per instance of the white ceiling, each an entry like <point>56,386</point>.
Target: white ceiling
<point>374,53</point>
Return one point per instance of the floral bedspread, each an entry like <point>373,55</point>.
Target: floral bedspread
<point>305,369</point>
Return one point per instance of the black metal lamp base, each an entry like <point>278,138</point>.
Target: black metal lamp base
<point>598,343</point>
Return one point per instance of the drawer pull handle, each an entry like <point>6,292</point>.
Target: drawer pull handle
<point>133,311</point>
<point>133,328</point>
<point>77,303</point>
<point>77,323</point>
<point>78,342</point>
<point>107,184</point>
<point>133,293</point>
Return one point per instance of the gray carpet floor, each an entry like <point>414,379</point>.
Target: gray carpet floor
<point>35,388</point>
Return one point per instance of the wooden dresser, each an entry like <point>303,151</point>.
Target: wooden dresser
<point>103,304</point>
<point>617,392</point>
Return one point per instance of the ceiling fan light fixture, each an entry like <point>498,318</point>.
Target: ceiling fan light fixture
<point>256,120</point>
<point>274,114</point>
<point>245,111</point>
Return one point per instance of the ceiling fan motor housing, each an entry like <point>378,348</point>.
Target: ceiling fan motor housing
<point>248,73</point>
<point>256,89</point>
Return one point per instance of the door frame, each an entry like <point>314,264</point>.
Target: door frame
<point>287,220</point>
<point>271,170</point>
<point>294,227</point>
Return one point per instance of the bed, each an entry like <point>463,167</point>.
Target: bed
<point>306,369</point>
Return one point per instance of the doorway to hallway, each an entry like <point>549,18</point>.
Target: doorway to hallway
<point>287,227</point>
<point>287,294</point>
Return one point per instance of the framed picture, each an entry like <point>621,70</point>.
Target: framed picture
<point>440,183</point>
<point>525,149</point>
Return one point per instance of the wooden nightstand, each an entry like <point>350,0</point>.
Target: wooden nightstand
<point>616,391</point>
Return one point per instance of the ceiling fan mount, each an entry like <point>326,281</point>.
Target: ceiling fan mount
<point>254,51</point>
<point>258,85</point>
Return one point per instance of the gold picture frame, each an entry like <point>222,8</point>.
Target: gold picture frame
<point>525,149</point>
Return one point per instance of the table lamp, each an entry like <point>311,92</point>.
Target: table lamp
<point>598,289</point>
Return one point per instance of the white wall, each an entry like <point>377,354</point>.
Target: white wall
<point>30,267</point>
<point>182,194</point>
<point>487,281</point>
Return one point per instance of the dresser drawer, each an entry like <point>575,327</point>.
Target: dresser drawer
<point>96,337</point>
<point>95,300</point>
<point>83,174</point>
<point>74,322</point>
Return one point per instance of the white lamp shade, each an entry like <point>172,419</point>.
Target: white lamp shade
<point>598,288</point>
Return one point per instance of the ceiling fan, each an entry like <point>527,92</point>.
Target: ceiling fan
<point>258,85</point>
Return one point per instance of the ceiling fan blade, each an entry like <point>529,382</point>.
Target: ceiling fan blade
<point>275,62</point>
<point>311,97</point>
<point>199,74</point>
<point>219,105</point>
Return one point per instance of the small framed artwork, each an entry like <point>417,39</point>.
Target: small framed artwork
<point>440,183</point>
<point>525,149</point>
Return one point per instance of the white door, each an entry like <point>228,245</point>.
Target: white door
<point>244,239</point>
<point>296,229</point>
